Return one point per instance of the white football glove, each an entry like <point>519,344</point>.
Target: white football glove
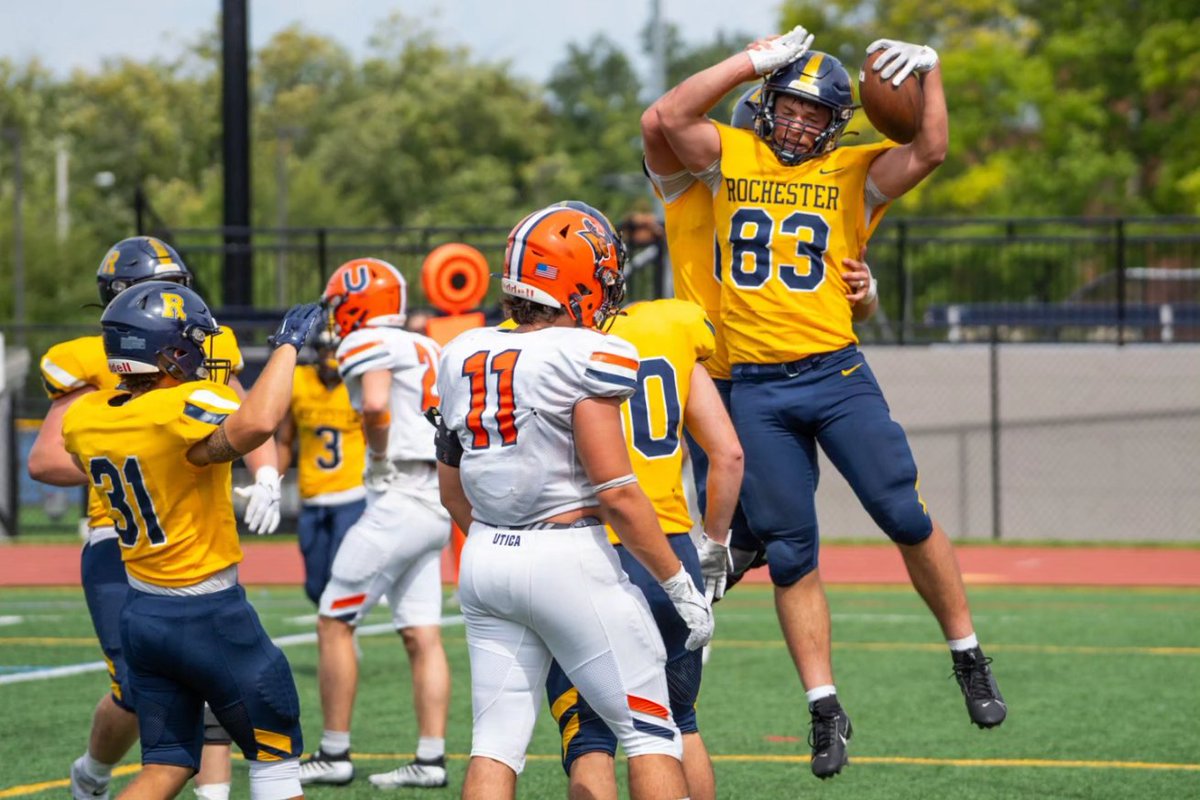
<point>379,474</point>
<point>715,565</point>
<point>262,506</point>
<point>901,59</point>
<point>771,54</point>
<point>692,606</point>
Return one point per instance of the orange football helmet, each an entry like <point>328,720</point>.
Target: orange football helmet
<point>366,292</point>
<point>567,256</point>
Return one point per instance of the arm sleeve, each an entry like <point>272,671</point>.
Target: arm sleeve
<point>365,351</point>
<point>669,188</point>
<point>610,369</point>
<point>62,370</point>
<point>199,410</point>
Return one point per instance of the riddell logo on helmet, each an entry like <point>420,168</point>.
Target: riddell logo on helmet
<point>120,367</point>
<point>517,289</point>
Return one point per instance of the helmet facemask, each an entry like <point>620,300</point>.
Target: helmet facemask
<point>767,123</point>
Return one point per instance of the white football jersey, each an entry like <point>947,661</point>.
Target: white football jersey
<point>510,398</point>
<point>412,359</point>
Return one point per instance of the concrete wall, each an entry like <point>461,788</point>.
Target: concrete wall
<point>1096,442</point>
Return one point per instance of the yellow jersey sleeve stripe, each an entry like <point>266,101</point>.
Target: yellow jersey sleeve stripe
<point>203,415</point>
<point>58,378</point>
<point>212,401</point>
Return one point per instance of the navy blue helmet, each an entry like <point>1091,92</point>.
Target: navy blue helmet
<point>136,259</point>
<point>817,77</point>
<point>745,110</point>
<point>158,326</point>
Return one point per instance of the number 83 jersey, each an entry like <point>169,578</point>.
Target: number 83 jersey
<point>782,233</point>
<point>510,398</point>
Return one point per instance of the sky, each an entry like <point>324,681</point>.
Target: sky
<point>531,34</point>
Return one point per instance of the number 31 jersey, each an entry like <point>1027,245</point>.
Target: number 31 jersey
<point>412,359</point>
<point>782,233</point>
<point>174,520</point>
<point>510,398</point>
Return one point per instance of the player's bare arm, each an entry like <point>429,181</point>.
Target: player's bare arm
<point>454,499</point>
<point>683,111</point>
<point>285,439</point>
<point>601,444</point>
<point>863,292</point>
<point>377,422</point>
<point>900,169</point>
<point>49,461</point>
<point>709,424</point>
<point>267,402</point>
<point>262,507</point>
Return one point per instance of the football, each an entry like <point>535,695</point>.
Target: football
<point>895,111</point>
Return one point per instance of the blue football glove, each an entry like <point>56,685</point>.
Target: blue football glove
<point>298,325</point>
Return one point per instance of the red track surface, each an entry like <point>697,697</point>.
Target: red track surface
<point>279,563</point>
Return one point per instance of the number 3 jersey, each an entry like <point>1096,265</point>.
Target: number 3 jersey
<point>782,233</point>
<point>175,520</point>
<point>510,398</point>
<point>329,432</point>
<point>412,359</point>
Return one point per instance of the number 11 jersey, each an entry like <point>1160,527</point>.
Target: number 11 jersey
<point>510,398</point>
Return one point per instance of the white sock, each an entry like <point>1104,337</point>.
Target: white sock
<point>213,791</point>
<point>335,743</point>
<point>96,770</point>
<point>817,692</point>
<point>430,748</point>
<point>965,643</point>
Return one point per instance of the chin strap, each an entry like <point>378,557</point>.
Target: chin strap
<point>576,310</point>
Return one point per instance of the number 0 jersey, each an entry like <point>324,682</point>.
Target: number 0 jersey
<point>412,359</point>
<point>782,233</point>
<point>510,398</point>
<point>329,431</point>
<point>175,520</point>
<point>670,337</point>
<point>81,362</point>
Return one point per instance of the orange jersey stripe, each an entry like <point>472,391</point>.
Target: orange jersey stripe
<point>352,600</point>
<point>647,706</point>
<point>359,349</point>
<point>620,361</point>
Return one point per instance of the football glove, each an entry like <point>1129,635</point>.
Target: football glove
<point>715,565</point>
<point>692,606</point>
<point>379,474</point>
<point>901,59</point>
<point>262,506</point>
<point>298,324</point>
<point>771,54</point>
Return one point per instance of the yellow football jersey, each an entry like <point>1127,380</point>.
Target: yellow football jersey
<point>670,337</point>
<point>175,521</point>
<point>690,229</point>
<point>332,448</point>
<point>81,362</point>
<point>782,233</point>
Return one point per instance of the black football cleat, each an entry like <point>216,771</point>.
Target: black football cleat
<point>828,736</point>
<point>985,704</point>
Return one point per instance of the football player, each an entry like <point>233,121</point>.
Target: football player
<point>69,370</point>
<point>531,459</point>
<point>789,205</point>
<point>330,463</point>
<point>395,546</point>
<point>158,450</point>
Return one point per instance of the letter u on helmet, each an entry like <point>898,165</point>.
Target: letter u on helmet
<point>820,78</point>
<point>157,326</point>
<point>567,256</point>
<point>137,259</point>
<point>366,292</point>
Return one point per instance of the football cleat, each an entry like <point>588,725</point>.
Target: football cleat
<point>84,786</point>
<point>419,774</point>
<point>828,736</point>
<point>321,767</point>
<point>985,704</point>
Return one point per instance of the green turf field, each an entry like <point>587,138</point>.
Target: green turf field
<point>1101,686</point>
